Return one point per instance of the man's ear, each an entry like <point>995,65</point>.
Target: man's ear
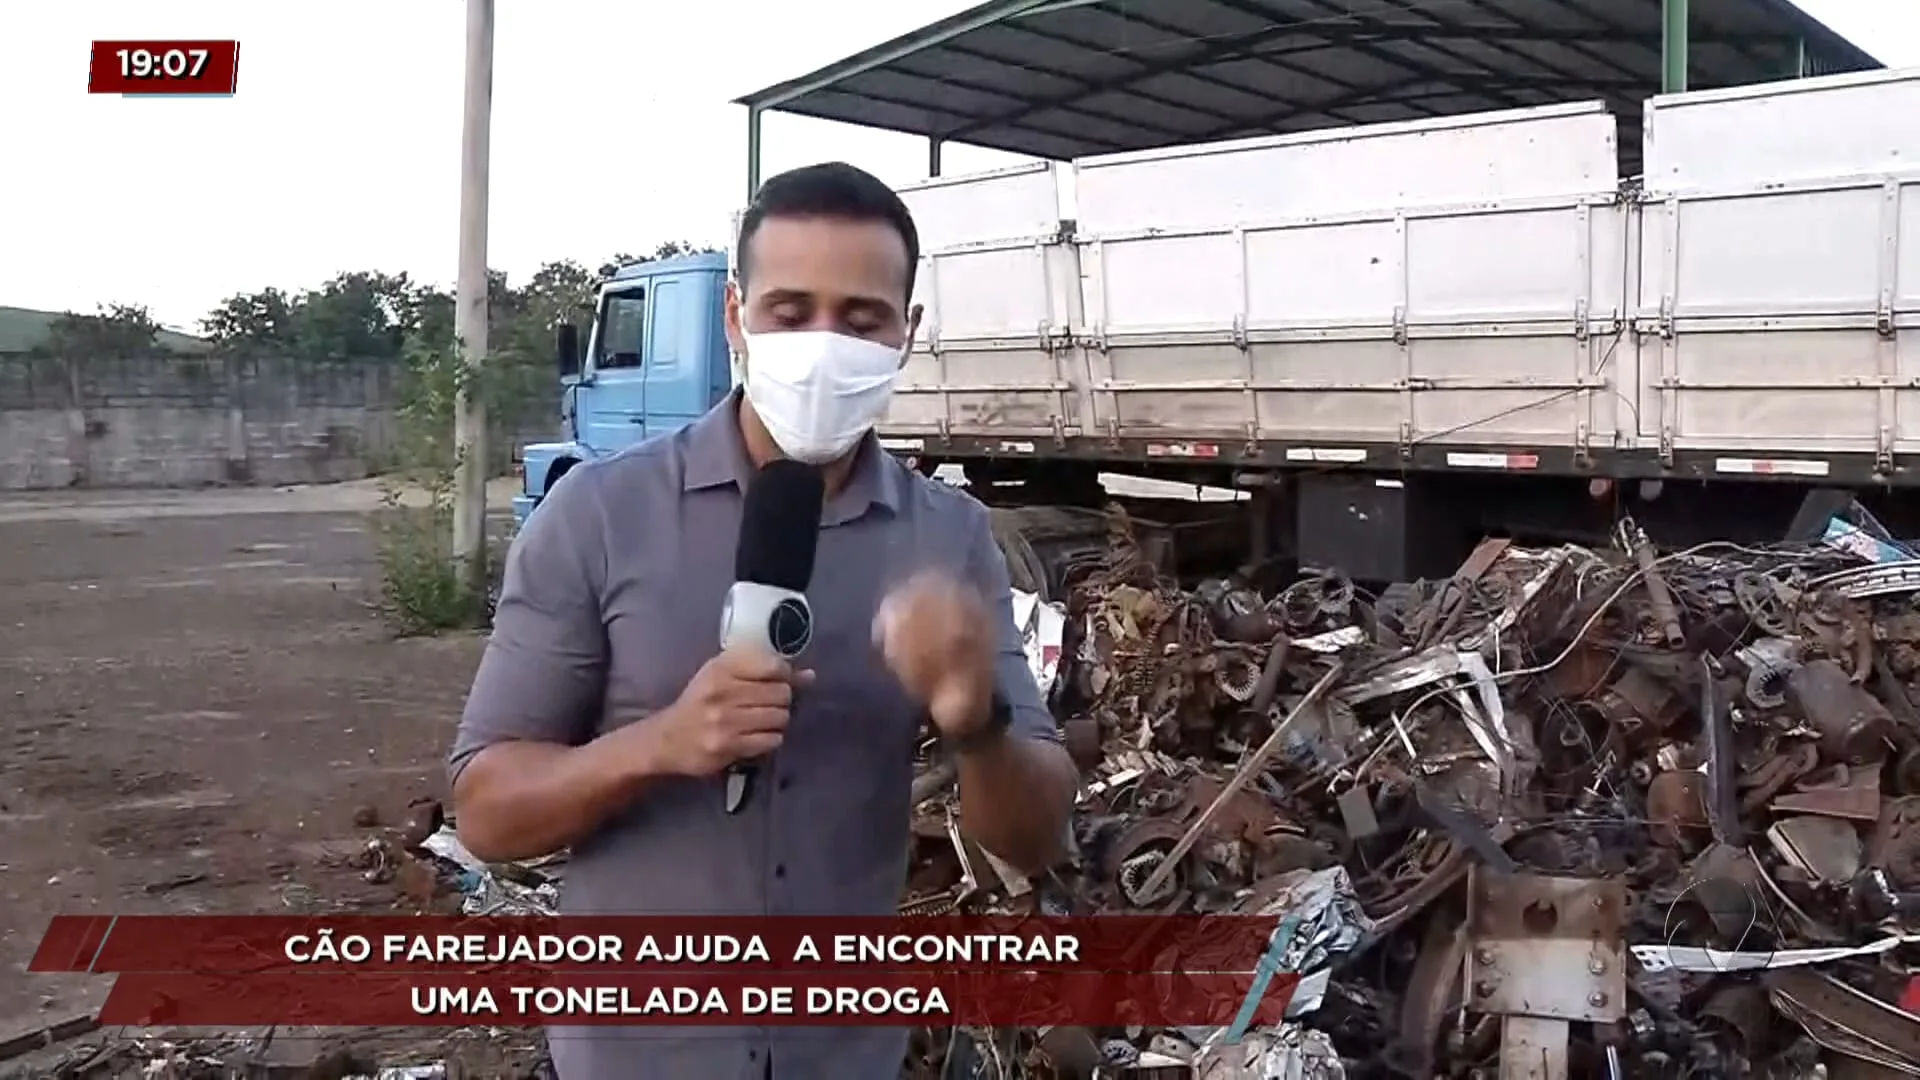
<point>913,331</point>
<point>735,339</point>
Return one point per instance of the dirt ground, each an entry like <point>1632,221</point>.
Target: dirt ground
<point>196,700</point>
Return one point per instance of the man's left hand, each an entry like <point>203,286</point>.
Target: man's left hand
<point>938,640</point>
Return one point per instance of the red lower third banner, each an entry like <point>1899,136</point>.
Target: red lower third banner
<point>703,998</point>
<point>366,944</point>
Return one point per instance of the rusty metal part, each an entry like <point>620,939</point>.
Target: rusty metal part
<point>1071,1052</point>
<point>935,904</point>
<point>1722,792</point>
<point>1584,673</point>
<point>1548,947</point>
<point>424,818</point>
<point>1854,727</point>
<point>1844,1020</point>
<point>1677,807</point>
<point>1725,884</point>
<point>1769,661</point>
<point>1906,772</point>
<point>1483,844</point>
<point>1895,846</point>
<point>1860,630</point>
<point>1856,798</point>
<point>1242,776</point>
<point>1452,602</point>
<point>1533,1048</point>
<point>1144,860</point>
<point>1236,612</point>
<point>1238,815</point>
<point>1658,595</point>
<point>1432,990</point>
<point>1270,674</point>
<point>1825,849</point>
<point>1636,703</point>
<point>1081,736</point>
<point>1775,775</point>
<point>1546,703</point>
<point>1893,693</point>
<point>1433,884</point>
<point>1316,597</point>
<point>1236,677</point>
<point>1742,1009</point>
<point>1763,601</point>
<point>1873,899</point>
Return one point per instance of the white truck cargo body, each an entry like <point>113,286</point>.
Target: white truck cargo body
<point>1469,292</point>
<point>1779,273</point>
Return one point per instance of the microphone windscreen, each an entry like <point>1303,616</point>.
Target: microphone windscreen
<point>780,525</point>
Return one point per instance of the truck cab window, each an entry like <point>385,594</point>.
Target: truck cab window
<point>622,326</point>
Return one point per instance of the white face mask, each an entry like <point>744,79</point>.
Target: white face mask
<point>818,392</point>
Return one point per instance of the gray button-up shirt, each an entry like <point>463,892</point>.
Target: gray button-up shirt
<point>612,602</point>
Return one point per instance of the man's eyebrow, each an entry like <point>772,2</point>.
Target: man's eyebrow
<point>873,304</point>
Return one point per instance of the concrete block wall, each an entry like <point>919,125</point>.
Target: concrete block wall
<point>174,422</point>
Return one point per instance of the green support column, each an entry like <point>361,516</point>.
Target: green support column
<point>1673,46</point>
<point>934,146</point>
<point>753,153</point>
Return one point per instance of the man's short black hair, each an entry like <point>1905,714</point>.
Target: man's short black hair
<point>830,190</point>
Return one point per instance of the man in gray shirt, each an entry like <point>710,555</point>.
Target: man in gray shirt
<point>604,715</point>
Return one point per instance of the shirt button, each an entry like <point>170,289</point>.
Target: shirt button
<point>786,782</point>
<point>780,871</point>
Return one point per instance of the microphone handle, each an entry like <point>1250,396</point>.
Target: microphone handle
<point>740,776</point>
<point>752,617</point>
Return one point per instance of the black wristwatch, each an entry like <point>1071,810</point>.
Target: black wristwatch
<point>999,719</point>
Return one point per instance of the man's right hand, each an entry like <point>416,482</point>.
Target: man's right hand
<point>735,708</point>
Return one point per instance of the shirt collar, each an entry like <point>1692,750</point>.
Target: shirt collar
<point>717,457</point>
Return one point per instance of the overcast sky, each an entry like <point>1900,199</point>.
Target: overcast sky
<point>611,131</point>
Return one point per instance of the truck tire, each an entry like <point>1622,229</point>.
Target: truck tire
<point>1024,569</point>
<point>1040,542</point>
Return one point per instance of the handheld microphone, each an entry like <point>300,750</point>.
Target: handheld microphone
<point>767,606</point>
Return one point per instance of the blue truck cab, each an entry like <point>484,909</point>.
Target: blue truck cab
<point>656,359</point>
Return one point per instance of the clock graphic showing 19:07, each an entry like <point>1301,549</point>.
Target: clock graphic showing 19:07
<point>169,68</point>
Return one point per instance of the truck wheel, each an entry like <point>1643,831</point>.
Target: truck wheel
<point>1024,569</point>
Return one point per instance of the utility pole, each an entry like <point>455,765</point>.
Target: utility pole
<point>470,305</point>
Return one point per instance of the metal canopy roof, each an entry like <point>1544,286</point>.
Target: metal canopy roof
<point>1067,78</point>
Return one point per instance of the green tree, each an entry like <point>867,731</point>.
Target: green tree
<point>355,316</point>
<point>667,249</point>
<point>671,248</point>
<point>114,331</point>
<point>261,319</point>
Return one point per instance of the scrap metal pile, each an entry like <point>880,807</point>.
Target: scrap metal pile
<point>1567,813</point>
